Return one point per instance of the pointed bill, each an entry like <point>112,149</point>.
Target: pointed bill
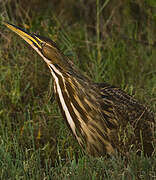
<point>29,38</point>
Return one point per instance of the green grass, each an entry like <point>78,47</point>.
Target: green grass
<point>35,142</point>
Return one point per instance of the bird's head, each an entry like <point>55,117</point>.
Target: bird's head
<point>45,47</point>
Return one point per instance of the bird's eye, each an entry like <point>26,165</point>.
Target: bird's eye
<point>42,44</point>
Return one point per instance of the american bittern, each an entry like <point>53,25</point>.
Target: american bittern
<point>103,118</point>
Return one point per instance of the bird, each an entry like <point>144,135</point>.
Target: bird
<point>103,118</point>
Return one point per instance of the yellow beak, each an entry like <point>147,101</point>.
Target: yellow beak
<point>29,38</point>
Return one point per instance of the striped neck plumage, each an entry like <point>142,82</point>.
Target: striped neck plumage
<point>62,93</point>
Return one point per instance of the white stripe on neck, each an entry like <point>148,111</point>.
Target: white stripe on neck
<point>53,69</point>
<point>64,106</point>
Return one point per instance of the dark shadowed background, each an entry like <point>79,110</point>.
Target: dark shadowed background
<point>109,40</point>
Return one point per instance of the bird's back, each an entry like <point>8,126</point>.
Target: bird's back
<point>131,124</point>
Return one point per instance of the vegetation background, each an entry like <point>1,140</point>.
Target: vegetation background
<point>109,40</point>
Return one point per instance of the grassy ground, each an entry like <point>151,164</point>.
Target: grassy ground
<point>35,143</point>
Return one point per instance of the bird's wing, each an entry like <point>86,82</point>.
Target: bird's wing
<point>120,108</point>
<point>122,111</point>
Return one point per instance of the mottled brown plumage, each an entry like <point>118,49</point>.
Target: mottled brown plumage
<point>133,122</point>
<point>114,120</point>
<point>103,118</point>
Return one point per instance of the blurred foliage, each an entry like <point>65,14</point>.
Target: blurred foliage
<point>115,18</point>
<point>111,40</point>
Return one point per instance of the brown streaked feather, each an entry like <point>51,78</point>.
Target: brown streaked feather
<point>106,118</point>
<point>127,115</point>
<point>102,117</point>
